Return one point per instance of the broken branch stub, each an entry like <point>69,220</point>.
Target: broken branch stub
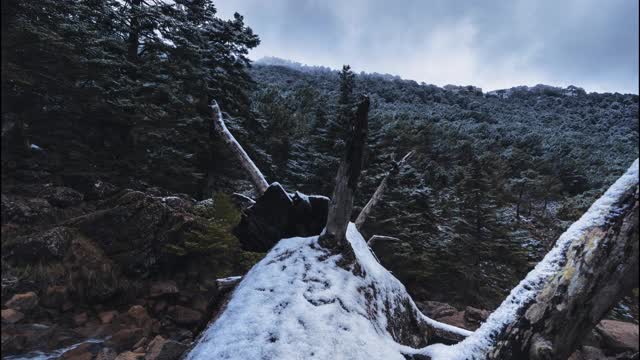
<point>341,203</point>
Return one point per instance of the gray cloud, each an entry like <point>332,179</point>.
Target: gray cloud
<point>492,43</point>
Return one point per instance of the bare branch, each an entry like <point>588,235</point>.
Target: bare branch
<point>245,161</point>
<point>377,195</point>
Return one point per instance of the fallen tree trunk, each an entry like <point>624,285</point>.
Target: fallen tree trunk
<point>591,266</point>
<point>377,195</point>
<point>341,203</point>
<point>601,266</point>
<point>244,160</point>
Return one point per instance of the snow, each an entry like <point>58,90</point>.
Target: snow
<point>35,147</point>
<point>228,280</point>
<point>475,346</point>
<point>298,304</point>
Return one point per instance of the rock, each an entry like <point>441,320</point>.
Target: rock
<point>276,215</point>
<point>199,303</point>
<point>56,297</point>
<point>141,344</point>
<point>62,196</point>
<point>99,190</point>
<point>106,354</point>
<point>23,302</point>
<point>80,319</point>
<point>618,336</point>
<point>436,310</point>
<point>129,355</point>
<point>138,313</point>
<point>106,317</point>
<point>42,246</point>
<point>93,276</point>
<point>263,224</point>
<point>162,349</point>
<point>456,319</point>
<point>163,288</point>
<point>125,339</point>
<point>177,203</point>
<point>588,353</point>
<point>592,353</point>
<point>475,317</point>
<point>19,338</point>
<point>22,211</point>
<point>185,316</point>
<point>11,316</point>
<point>160,306</point>
<point>134,229</point>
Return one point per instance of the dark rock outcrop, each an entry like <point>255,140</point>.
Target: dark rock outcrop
<point>277,215</point>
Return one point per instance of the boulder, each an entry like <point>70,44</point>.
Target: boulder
<point>93,275</point>
<point>139,315</point>
<point>134,229</point>
<point>80,319</point>
<point>23,211</point>
<point>129,355</point>
<point>436,310</point>
<point>125,339</point>
<point>162,349</point>
<point>475,317</point>
<point>163,288</point>
<point>43,246</point>
<point>618,336</point>
<point>11,316</point>
<point>182,315</point>
<point>20,338</point>
<point>106,317</point>
<point>106,354</point>
<point>98,190</point>
<point>23,302</point>
<point>56,297</point>
<point>277,215</point>
<point>62,196</point>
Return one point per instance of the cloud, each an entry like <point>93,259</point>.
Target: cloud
<point>491,44</point>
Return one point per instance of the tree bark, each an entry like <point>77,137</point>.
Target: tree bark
<point>243,159</point>
<point>600,266</point>
<point>341,203</point>
<point>377,195</point>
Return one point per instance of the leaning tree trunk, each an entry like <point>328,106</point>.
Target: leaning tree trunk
<point>601,266</point>
<point>244,160</point>
<point>377,195</point>
<point>341,203</point>
<point>589,269</point>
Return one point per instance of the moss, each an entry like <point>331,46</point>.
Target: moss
<point>213,246</point>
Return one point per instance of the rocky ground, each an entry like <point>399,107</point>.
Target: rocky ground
<point>92,265</point>
<point>611,339</point>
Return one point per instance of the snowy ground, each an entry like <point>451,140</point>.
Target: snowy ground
<point>298,304</point>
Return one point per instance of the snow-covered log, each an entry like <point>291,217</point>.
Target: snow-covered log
<point>568,292</point>
<point>341,203</point>
<point>299,303</point>
<point>243,159</point>
<point>377,195</point>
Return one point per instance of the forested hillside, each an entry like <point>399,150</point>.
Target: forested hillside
<point>120,199</point>
<point>493,180</point>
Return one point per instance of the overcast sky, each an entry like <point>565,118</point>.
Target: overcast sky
<point>492,44</point>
